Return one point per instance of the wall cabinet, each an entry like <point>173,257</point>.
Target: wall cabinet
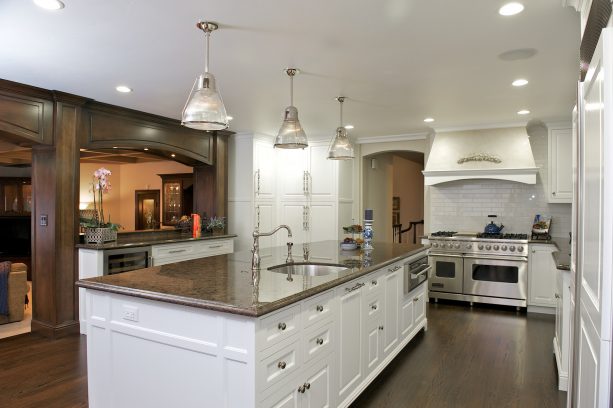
<point>177,197</point>
<point>541,276</point>
<point>15,196</point>
<point>560,163</point>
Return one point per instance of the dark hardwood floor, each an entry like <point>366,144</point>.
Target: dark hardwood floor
<point>479,357</point>
<point>484,356</point>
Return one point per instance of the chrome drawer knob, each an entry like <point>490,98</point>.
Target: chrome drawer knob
<point>374,282</point>
<point>282,326</point>
<point>415,299</point>
<point>373,307</point>
<point>282,365</point>
<point>319,341</point>
<point>320,308</point>
<point>380,327</point>
<point>301,389</point>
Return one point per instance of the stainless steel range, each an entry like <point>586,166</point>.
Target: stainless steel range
<point>484,268</point>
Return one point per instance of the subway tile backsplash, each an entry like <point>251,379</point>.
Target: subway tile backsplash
<point>464,205</point>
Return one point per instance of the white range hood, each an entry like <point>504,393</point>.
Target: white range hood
<point>502,154</point>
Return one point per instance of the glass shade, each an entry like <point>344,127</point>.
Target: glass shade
<point>291,135</point>
<point>204,109</point>
<point>341,147</point>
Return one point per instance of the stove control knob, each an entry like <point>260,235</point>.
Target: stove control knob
<point>457,246</point>
<point>488,247</point>
<point>469,246</point>
<point>435,245</point>
<point>520,249</point>
<point>512,248</point>
<point>480,246</point>
<point>504,247</point>
<point>496,247</point>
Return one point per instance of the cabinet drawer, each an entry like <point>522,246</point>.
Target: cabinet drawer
<point>278,366</point>
<point>173,250</point>
<point>318,342</point>
<point>374,282</point>
<point>278,327</point>
<point>318,309</point>
<point>215,247</point>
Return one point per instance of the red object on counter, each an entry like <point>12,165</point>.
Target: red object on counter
<point>196,226</point>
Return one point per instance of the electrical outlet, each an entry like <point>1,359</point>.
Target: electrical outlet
<point>130,313</point>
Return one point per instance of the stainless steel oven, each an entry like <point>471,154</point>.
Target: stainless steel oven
<point>447,274</point>
<point>126,259</point>
<point>497,277</point>
<point>415,273</point>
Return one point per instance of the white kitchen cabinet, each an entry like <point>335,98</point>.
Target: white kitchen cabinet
<point>373,324</point>
<point>541,276</point>
<point>265,215</point>
<point>293,175</point>
<point>294,214</point>
<point>169,253</point>
<point>264,181</point>
<point>322,220</point>
<point>392,290</point>
<point>561,341</point>
<point>350,367</point>
<point>560,163</point>
<point>322,173</point>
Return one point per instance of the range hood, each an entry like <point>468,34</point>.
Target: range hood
<point>501,154</point>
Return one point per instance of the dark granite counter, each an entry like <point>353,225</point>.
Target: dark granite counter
<point>562,256</point>
<point>224,282</point>
<point>139,238</point>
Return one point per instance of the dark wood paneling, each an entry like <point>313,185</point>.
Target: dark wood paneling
<point>204,190</point>
<point>125,128</point>
<point>26,117</point>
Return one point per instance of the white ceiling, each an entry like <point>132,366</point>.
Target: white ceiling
<point>397,61</point>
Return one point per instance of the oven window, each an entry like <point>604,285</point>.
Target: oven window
<point>496,273</point>
<point>445,269</point>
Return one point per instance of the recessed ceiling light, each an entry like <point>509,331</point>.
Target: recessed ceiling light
<point>114,147</point>
<point>229,117</point>
<point>173,155</point>
<point>520,82</point>
<point>510,9</point>
<point>429,120</point>
<point>523,112</point>
<point>123,89</point>
<point>49,4</point>
<point>348,127</point>
<point>146,148</point>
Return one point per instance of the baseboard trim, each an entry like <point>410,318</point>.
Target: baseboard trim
<point>55,332</point>
<point>542,310</point>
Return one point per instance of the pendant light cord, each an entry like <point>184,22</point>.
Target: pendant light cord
<point>341,103</point>
<point>207,35</point>
<point>291,90</point>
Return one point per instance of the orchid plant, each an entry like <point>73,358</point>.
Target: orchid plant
<point>100,185</point>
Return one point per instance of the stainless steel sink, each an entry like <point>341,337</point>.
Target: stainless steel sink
<point>308,269</point>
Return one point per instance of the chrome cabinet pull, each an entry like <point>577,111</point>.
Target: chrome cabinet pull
<point>320,308</point>
<point>319,341</point>
<point>355,287</point>
<point>380,327</point>
<point>301,389</point>
<point>373,282</point>
<point>282,365</point>
<point>215,246</point>
<point>176,251</point>
<point>373,307</point>
<point>282,326</point>
<point>557,296</point>
<point>257,212</point>
<point>415,299</point>
<point>307,386</point>
<point>394,269</point>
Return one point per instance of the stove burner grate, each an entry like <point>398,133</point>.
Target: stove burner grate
<point>447,234</point>
<point>502,236</point>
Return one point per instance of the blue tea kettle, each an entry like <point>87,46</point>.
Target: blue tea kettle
<point>492,228</point>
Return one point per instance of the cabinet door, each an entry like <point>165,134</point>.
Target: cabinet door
<point>322,221</point>
<point>542,281</point>
<point>264,167</point>
<point>295,215</point>
<point>350,370</point>
<point>373,309</point>
<point>392,288</point>
<point>265,221</point>
<point>406,317</point>
<point>293,164</point>
<point>285,397</point>
<point>419,305</point>
<point>322,174</point>
<point>317,392</point>
<point>560,165</point>
<point>558,300</point>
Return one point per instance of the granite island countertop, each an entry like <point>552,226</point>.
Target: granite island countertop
<point>224,282</point>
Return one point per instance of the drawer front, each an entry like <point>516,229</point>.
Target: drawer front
<point>318,342</point>
<point>373,306</point>
<point>278,327</point>
<point>215,247</point>
<point>374,282</point>
<point>173,250</point>
<point>318,309</point>
<point>279,365</point>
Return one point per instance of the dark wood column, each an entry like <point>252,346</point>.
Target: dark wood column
<point>55,176</point>
<point>211,182</point>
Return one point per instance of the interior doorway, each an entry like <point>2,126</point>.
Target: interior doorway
<point>147,206</point>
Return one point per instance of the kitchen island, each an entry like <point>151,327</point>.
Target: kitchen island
<point>199,333</point>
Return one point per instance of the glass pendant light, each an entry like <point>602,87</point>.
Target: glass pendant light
<point>341,147</point>
<point>204,109</point>
<point>291,135</point>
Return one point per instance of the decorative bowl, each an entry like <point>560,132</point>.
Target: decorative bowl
<point>349,246</point>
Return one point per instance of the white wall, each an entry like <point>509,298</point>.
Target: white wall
<point>465,205</point>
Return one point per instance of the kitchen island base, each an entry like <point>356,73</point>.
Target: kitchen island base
<point>322,351</point>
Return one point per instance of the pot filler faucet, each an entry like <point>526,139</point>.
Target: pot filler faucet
<point>255,252</point>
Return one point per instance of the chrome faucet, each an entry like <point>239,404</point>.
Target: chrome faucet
<point>255,252</point>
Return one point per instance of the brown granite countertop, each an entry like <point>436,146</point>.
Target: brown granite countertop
<point>561,257</point>
<point>137,240</point>
<point>224,283</point>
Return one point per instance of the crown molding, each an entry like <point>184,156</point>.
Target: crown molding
<point>522,123</point>
<point>393,138</point>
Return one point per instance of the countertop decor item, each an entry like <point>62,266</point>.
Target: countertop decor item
<point>492,228</point>
<point>367,234</point>
<point>216,225</point>
<point>204,109</point>
<point>291,134</point>
<point>99,229</point>
<point>341,147</point>
<point>541,227</point>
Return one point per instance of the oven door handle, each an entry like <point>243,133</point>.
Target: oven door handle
<point>446,255</point>
<point>498,258</point>
<point>422,271</point>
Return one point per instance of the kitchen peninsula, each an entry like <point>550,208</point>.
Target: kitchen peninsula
<point>199,333</point>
